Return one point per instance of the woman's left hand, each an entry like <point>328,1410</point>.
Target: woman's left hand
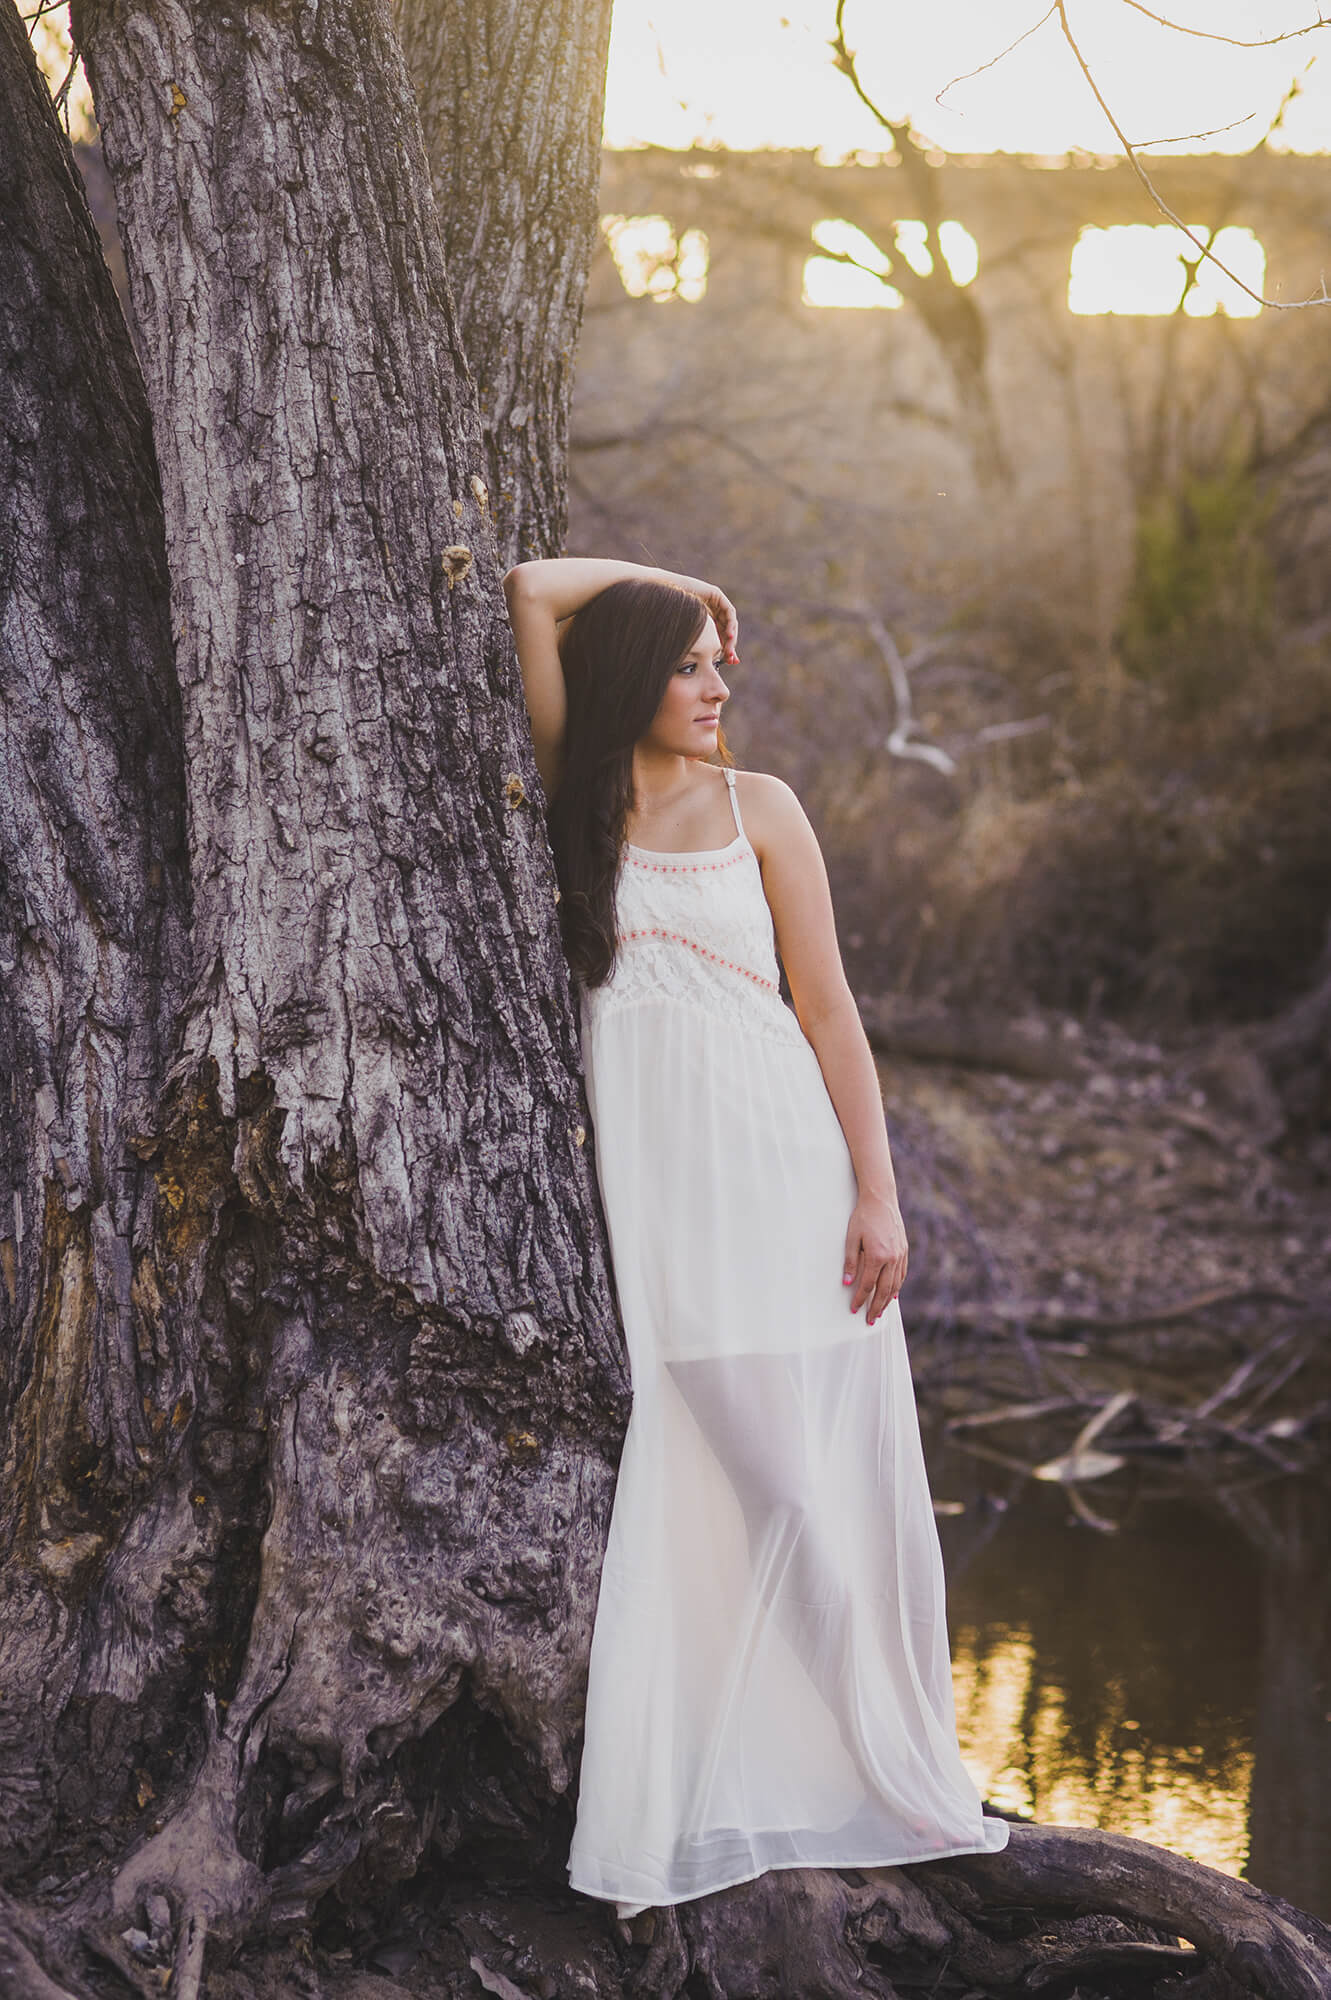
<point>723,613</point>
<point>876,1254</point>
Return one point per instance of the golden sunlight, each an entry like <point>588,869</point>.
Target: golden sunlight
<point>653,262</point>
<point>54,51</point>
<point>1140,268</point>
<point>832,281</point>
<point>1018,1747</point>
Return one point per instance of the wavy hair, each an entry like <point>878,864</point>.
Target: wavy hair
<point>618,652</point>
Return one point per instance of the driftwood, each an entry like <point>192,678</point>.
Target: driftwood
<point>1265,1411</point>
<point>973,1041</point>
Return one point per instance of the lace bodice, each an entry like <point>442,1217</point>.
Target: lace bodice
<point>696,928</point>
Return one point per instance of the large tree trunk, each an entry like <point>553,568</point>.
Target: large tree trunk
<point>94,892</point>
<point>375,1457</point>
<point>511,100</point>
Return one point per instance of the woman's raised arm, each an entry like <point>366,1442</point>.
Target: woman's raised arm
<point>540,596</point>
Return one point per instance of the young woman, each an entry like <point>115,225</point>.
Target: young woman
<point>769,1683</point>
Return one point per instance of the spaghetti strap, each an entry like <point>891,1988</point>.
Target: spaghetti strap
<point>734,799</point>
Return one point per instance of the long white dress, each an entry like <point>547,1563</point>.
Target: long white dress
<point>769,1682</point>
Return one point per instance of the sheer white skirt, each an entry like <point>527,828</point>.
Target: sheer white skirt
<point>769,1683</point>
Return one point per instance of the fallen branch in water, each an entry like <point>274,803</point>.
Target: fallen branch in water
<point>1226,1420</point>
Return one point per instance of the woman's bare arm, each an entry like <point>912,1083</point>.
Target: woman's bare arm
<point>795,883</point>
<point>540,596</point>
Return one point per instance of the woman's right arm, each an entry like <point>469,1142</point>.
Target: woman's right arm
<point>540,595</point>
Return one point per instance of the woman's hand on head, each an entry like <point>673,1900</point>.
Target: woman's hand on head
<point>723,614</point>
<point>876,1255</point>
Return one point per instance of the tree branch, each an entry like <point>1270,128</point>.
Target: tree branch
<point>1281,305</point>
<point>1002,55</point>
<point>1232,41</point>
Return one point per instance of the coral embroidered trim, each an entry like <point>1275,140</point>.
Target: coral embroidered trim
<point>677,937</point>
<point>683,867</point>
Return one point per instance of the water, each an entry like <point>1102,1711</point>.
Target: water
<point>1171,1681</point>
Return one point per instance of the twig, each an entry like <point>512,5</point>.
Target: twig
<point>193,1937</point>
<point>1176,1428</point>
<point>1273,1387</point>
<point>845,62</point>
<point>992,1457</point>
<point>966,75</point>
<point>1011,1413</point>
<point>1008,732</point>
<point>1233,41</point>
<point>1240,1378</point>
<point>1282,305</point>
<point>1082,1508</point>
<point>1208,132</point>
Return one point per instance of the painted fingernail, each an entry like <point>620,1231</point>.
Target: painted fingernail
<point>847,1281</point>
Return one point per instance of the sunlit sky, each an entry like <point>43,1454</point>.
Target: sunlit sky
<point>748,73</point>
<point>756,73</point>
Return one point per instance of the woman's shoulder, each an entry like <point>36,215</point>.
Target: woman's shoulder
<point>770,808</point>
<point>766,792</point>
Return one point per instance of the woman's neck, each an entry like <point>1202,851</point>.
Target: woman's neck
<point>660,779</point>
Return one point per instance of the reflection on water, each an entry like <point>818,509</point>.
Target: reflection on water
<point>1170,1681</point>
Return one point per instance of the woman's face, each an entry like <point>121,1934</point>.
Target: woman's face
<point>685,723</point>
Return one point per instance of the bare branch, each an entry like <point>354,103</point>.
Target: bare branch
<point>1008,732</point>
<point>1281,305</point>
<point>845,62</point>
<point>1210,132</point>
<point>900,742</point>
<point>1232,41</point>
<point>1024,36</point>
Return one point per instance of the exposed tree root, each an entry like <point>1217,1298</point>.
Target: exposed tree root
<point>1060,1913</point>
<point>1264,1944</point>
<point>22,1977</point>
<point>195,1863</point>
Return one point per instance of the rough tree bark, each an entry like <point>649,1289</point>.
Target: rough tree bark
<point>386,1427</point>
<point>93,942</point>
<point>511,99</point>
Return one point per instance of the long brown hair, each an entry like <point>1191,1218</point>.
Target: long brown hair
<point>618,653</point>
